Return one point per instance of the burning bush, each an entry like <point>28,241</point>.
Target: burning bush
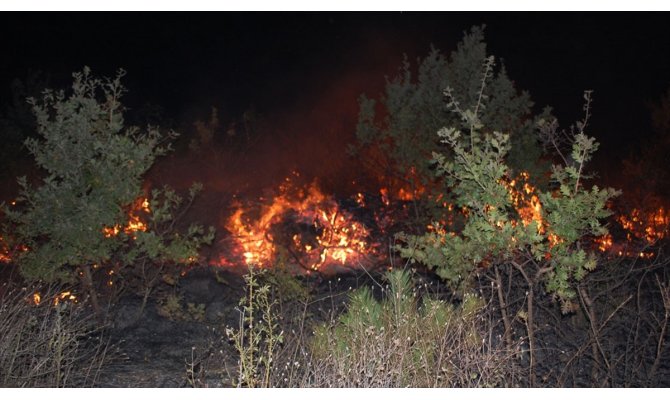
<point>78,219</point>
<point>537,235</point>
<point>396,137</point>
<point>304,222</point>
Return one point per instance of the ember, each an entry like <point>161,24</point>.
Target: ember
<point>651,226</point>
<point>62,297</point>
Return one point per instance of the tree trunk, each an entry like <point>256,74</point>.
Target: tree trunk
<point>87,281</point>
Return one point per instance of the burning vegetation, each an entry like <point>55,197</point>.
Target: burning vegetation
<point>135,222</point>
<point>303,222</point>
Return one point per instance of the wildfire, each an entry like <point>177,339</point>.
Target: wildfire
<point>525,201</point>
<point>7,252</point>
<point>62,297</point>
<point>604,242</point>
<point>303,222</point>
<point>651,227</point>
<point>5,256</point>
<point>134,223</point>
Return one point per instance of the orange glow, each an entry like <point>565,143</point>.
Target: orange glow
<point>65,296</point>
<point>134,223</point>
<point>651,226</point>
<point>604,242</point>
<point>527,203</point>
<point>62,297</point>
<point>326,234</point>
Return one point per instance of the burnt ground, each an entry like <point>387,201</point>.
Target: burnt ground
<point>177,346</point>
<point>185,349</point>
<point>182,348</point>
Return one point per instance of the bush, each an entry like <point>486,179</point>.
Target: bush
<point>540,235</point>
<point>408,341</point>
<point>51,344</point>
<point>396,136</point>
<point>94,168</point>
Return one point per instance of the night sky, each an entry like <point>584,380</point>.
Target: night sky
<point>286,64</point>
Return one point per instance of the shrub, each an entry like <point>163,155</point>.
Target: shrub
<point>406,340</point>
<point>396,136</point>
<point>47,344</point>
<point>542,237</point>
<point>257,338</point>
<point>94,168</point>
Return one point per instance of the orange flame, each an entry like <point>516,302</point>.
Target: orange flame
<point>134,223</point>
<point>323,233</point>
<point>66,296</point>
<point>651,226</point>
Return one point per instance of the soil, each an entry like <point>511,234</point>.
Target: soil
<point>152,348</point>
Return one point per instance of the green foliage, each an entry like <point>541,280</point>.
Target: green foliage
<point>172,308</point>
<point>258,338</point>
<point>549,247</point>
<point>93,175</point>
<point>286,287</point>
<point>397,136</point>
<point>161,242</point>
<point>404,340</point>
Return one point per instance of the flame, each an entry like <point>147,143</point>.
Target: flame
<point>134,223</point>
<point>604,243</point>
<point>651,226</point>
<point>5,256</point>
<point>526,202</point>
<point>8,251</point>
<point>62,297</point>
<point>321,233</point>
<point>65,296</point>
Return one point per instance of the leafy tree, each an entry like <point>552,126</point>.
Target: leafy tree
<point>93,167</point>
<point>396,135</point>
<point>541,237</point>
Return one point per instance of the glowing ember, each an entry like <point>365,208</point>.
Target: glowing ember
<point>5,256</point>
<point>7,252</point>
<point>604,243</point>
<point>63,297</point>
<point>303,222</point>
<point>651,227</point>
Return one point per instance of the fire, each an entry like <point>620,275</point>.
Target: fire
<point>7,251</point>
<point>604,242</point>
<point>527,203</point>
<point>642,229</point>
<point>62,297</point>
<point>5,256</point>
<point>302,222</point>
<point>651,227</point>
<point>134,223</point>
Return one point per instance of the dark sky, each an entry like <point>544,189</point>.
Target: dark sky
<point>280,62</point>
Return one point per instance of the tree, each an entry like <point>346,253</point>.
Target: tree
<point>93,178</point>
<point>396,136</point>
<point>540,235</point>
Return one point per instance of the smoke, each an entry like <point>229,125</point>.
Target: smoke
<point>305,121</point>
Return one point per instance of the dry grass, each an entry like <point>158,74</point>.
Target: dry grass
<point>403,340</point>
<point>47,345</point>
